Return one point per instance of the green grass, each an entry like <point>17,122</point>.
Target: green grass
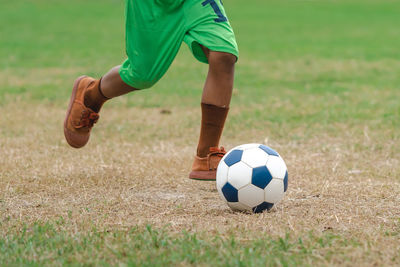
<point>48,244</point>
<point>333,54</point>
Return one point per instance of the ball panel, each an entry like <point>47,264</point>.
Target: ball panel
<point>262,207</point>
<point>230,193</point>
<point>255,157</point>
<point>269,150</point>
<point>239,175</point>
<point>237,206</point>
<point>222,174</point>
<point>277,167</point>
<point>261,177</point>
<point>251,195</point>
<point>233,157</point>
<point>286,182</point>
<point>274,191</point>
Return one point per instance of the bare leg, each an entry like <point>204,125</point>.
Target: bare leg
<point>215,100</point>
<point>112,84</point>
<point>219,84</point>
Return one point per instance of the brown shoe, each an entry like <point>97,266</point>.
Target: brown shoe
<point>79,119</point>
<point>206,168</point>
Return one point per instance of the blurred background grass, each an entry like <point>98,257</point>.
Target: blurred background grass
<point>301,62</point>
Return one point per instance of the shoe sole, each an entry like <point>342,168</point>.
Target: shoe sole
<point>202,175</point>
<point>68,133</point>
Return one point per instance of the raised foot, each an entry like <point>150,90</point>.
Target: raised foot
<point>79,119</point>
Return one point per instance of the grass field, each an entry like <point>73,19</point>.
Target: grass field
<point>319,81</point>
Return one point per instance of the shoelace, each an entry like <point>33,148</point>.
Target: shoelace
<point>220,152</point>
<point>215,151</point>
<point>88,118</point>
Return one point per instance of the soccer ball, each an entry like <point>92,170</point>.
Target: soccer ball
<point>252,177</point>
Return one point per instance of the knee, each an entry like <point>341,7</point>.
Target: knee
<point>222,59</point>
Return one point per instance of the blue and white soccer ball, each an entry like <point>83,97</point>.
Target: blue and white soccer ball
<point>252,177</point>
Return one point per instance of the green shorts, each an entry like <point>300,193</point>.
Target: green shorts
<point>155,30</point>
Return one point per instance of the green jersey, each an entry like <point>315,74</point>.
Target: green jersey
<point>169,4</point>
<point>155,30</point>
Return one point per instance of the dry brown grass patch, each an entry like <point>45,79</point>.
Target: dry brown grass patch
<point>135,172</point>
